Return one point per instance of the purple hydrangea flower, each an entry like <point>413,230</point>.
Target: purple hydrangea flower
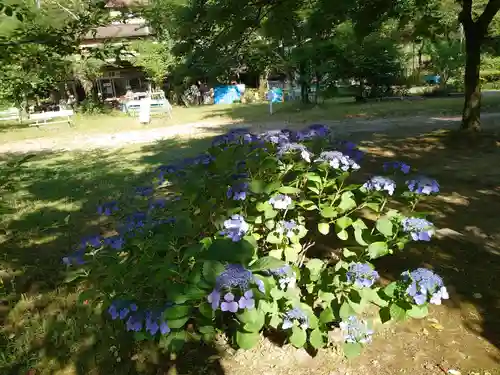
<point>424,285</point>
<point>157,203</point>
<point>246,301</point>
<point>134,323</point>
<point>380,183</point>
<point>419,229</point>
<point>238,191</point>
<point>295,148</point>
<point>107,208</point>
<point>235,228</point>
<point>356,330</point>
<point>362,275</point>
<point>76,259</point>
<point>286,276</point>
<point>315,130</point>
<point>351,149</point>
<point>338,160</point>
<point>423,185</point>
<point>115,242</point>
<point>286,227</point>
<point>144,191</point>
<point>275,136</point>
<point>280,201</point>
<point>397,165</point>
<point>295,315</point>
<point>229,304</point>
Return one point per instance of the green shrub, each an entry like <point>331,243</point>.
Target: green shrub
<point>225,243</point>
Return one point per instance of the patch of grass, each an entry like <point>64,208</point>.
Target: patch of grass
<point>290,112</point>
<point>50,202</point>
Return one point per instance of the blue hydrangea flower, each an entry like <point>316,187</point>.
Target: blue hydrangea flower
<point>149,320</point>
<point>397,165</point>
<point>356,330</point>
<point>275,136</point>
<point>295,148</point>
<point>144,191</point>
<point>235,279</point>
<point>338,160</point>
<point>380,183</point>
<point>423,185</point>
<point>286,227</point>
<point>107,208</point>
<point>76,259</point>
<point>115,242</point>
<point>362,275</point>
<point>351,150</point>
<point>94,241</point>
<point>157,204</point>
<point>286,276</point>
<point>203,159</point>
<point>238,191</point>
<point>295,315</point>
<point>315,130</point>
<point>419,229</point>
<point>235,228</point>
<point>424,285</point>
<point>280,201</point>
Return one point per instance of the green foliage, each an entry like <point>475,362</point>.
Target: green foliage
<point>447,57</point>
<point>155,58</point>
<point>197,248</point>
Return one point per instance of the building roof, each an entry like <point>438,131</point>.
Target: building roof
<point>121,31</point>
<point>125,3</point>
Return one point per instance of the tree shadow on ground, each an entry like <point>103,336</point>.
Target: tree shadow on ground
<point>49,204</point>
<point>52,202</point>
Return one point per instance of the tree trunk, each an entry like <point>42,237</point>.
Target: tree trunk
<point>471,115</point>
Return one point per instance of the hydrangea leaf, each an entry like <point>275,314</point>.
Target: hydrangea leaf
<point>298,337</point>
<point>247,340</point>
<point>289,190</point>
<point>377,249</point>
<point>267,263</point>
<point>346,201</point>
<point>352,350</point>
<point>418,312</point>
<point>397,312</point>
<point>316,339</point>
<point>384,226</point>
<point>324,228</point>
<point>328,212</point>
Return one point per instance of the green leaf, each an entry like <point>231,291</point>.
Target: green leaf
<point>174,341</point>
<point>346,310</point>
<point>292,254</point>
<point>270,224</point>
<point>313,177</point>
<point>326,296</point>
<point>384,226</point>
<point>316,339</point>
<point>176,312</point>
<point>358,236</point>
<point>263,206</point>
<point>247,340</point>
<point>274,238</point>
<point>377,249</point>
<point>276,253</point>
<point>298,337</point>
<point>289,190</point>
<point>228,251</point>
<point>344,222</point>
<point>328,212</point>
<point>346,201</point>
<point>326,316</point>
<point>385,314</point>
<point>206,310</point>
<point>267,263</point>
<point>324,228</point>
<point>74,275</point>
<point>418,312</point>
<point>397,312</point>
<point>390,289</point>
<point>212,269</point>
<point>257,324</point>
<point>275,321</point>
<point>352,350</point>
<point>308,205</point>
<point>343,235</point>
<point>141,336</point>
<point>177,323</point>
<point>315,265</point>
<point>256,186</point>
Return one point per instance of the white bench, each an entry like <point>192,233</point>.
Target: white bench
<point>10,114</point>
<point>53,117</point>
<point>161,106</point>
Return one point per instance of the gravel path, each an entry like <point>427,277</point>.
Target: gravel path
<point>402,125</point>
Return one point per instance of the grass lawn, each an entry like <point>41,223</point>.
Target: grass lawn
<point>336,109</point>
<point>50,202</point>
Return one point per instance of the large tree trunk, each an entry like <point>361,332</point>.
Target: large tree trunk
<point>471,115</point>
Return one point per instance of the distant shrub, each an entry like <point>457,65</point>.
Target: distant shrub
<point>224,243</point>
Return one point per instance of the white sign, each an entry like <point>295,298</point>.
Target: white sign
<point>145,111</point>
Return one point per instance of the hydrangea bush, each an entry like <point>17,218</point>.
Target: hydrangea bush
<point>226,242</point>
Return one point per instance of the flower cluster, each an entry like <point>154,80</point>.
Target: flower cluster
<point>150,320</point>
<point>286,227</point>
<point>423,185</point>
<point>380,183</point>
<point>286,276</point>
<point>280,202</point>
<point>356,330</point>
<point>290,148</point>
<point>107,208</point>
<point>362,275</point>
<point>234,280</point>
<point>338,160</point>
<point>235,228</point>
<point>313,131</point>
<point>397,166</point>
<point>238,191</point>
<point>419,229</point>
<point>423,286</point>
<point>295,315</point>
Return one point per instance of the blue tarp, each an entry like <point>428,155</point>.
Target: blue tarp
<point>226,94</point>
<point>276,94</point>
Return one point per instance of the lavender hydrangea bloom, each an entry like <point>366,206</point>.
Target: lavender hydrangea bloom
<point>76,259</point>
<point>315,130</point>
<point>137,320</point>
<point>295,148</point>
<point>295,315</point>
<point>338,160</point>
<point>107,208</point>
<point>424,284</point>
<point>351,150</point>
<point>397,165</point>
<point>115,242</point>
<point>362,275</point>
<point>280,201</point>
<point>157,203</point>
<point>286,227</point>
<point>235,228</point>
<point>423,185</point>
<point>234,279</point>
<point>238,191</point>
<point>356,330</point>
<point>380,183</point>
<point>419,229</point>
<point>144,191</point>
<point>275,136</point>
<point>286,276</point>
